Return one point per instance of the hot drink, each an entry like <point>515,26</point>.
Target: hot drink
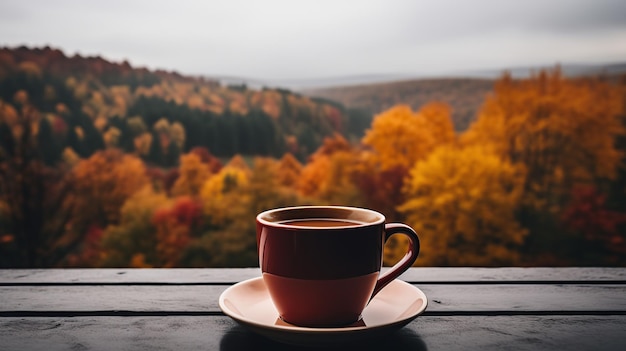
<point>321,222</point>
<point>321,264</point>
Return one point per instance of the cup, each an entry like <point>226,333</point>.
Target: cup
<point>321,264</point>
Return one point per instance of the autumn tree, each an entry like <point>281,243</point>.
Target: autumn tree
<point>563,130</point>
<point>329,176</point>
<point>462,203</point>
<point>340,186</point>
<point>588,216</point>
<point>289,170</point>
<point>264,189</point>
<point>401,137</point>
<point>438,121</point>
<point>207,158</point>
<point>154,231</point>
<point>398,139</point>
<point>175,227</point>
<point>103,183</point>
<point>217,190</point>
<point>35,199</point>
<point>140,141</point>
<point>193,174</point>
<point>133,242</point>
<point>167,142</point>
<point>313,178</point>
<point>381,190</point>
<point>238,162</point>
<point>231,242</point>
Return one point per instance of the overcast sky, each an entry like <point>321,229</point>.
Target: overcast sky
<point>290,39</point>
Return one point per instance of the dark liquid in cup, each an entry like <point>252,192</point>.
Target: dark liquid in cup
<point>321,222</point>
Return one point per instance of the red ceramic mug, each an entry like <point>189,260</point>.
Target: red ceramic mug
<point>321,264</point>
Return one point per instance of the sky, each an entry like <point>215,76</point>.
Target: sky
<point>291,40</point>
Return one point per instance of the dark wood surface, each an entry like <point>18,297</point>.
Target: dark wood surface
<point>177,309</point>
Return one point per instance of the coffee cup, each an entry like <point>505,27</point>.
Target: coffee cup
<point>322,264</point>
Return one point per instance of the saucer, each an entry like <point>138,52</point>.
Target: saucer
<point>249,303</point>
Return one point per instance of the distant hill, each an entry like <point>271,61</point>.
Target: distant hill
<point>464,95</point>
<point>320,83</point>
<point>463,91</point>
<point>568,70</point>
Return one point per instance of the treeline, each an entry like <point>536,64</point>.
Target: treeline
<point>96,176</point>
<point>88,104</point>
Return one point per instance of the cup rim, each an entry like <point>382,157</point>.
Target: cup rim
<point>261,217</point>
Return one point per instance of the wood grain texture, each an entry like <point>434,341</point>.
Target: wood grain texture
<point>221,333</point>
<point>442,298</point>
<point>233,275</point>
<point>167,309</point>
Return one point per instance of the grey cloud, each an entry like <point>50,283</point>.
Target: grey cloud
<point>287,39</point>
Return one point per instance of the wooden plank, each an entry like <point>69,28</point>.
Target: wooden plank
<point>125,276</point>
<point>425,333</point>
<point>233,275</point>
<point>203,298</point>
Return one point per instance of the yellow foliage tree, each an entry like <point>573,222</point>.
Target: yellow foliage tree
<point>462,203</point>
<point>233,242</point>
<point>217,204</point>
<point>132,242</point>
<point>193,174</point>
<point>340,187</point>
<point>177,133</point>
<point>237,162</point>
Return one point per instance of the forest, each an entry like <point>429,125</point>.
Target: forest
<point>106,165</point>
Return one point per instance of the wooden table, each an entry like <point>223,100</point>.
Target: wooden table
<point>177,309</point>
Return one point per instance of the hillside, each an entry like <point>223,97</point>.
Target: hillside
<point>464,95</point>
<point>89,103</point>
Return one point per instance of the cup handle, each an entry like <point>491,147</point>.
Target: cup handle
<point>406,262</point>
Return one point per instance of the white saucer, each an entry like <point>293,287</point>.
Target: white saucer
<point>249,303</point>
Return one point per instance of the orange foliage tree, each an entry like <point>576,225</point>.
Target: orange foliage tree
<point>103,183</point>
<point>563,130</point>
<point>289,170</point>
<point>329,175</point>
<point>399,138</point>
